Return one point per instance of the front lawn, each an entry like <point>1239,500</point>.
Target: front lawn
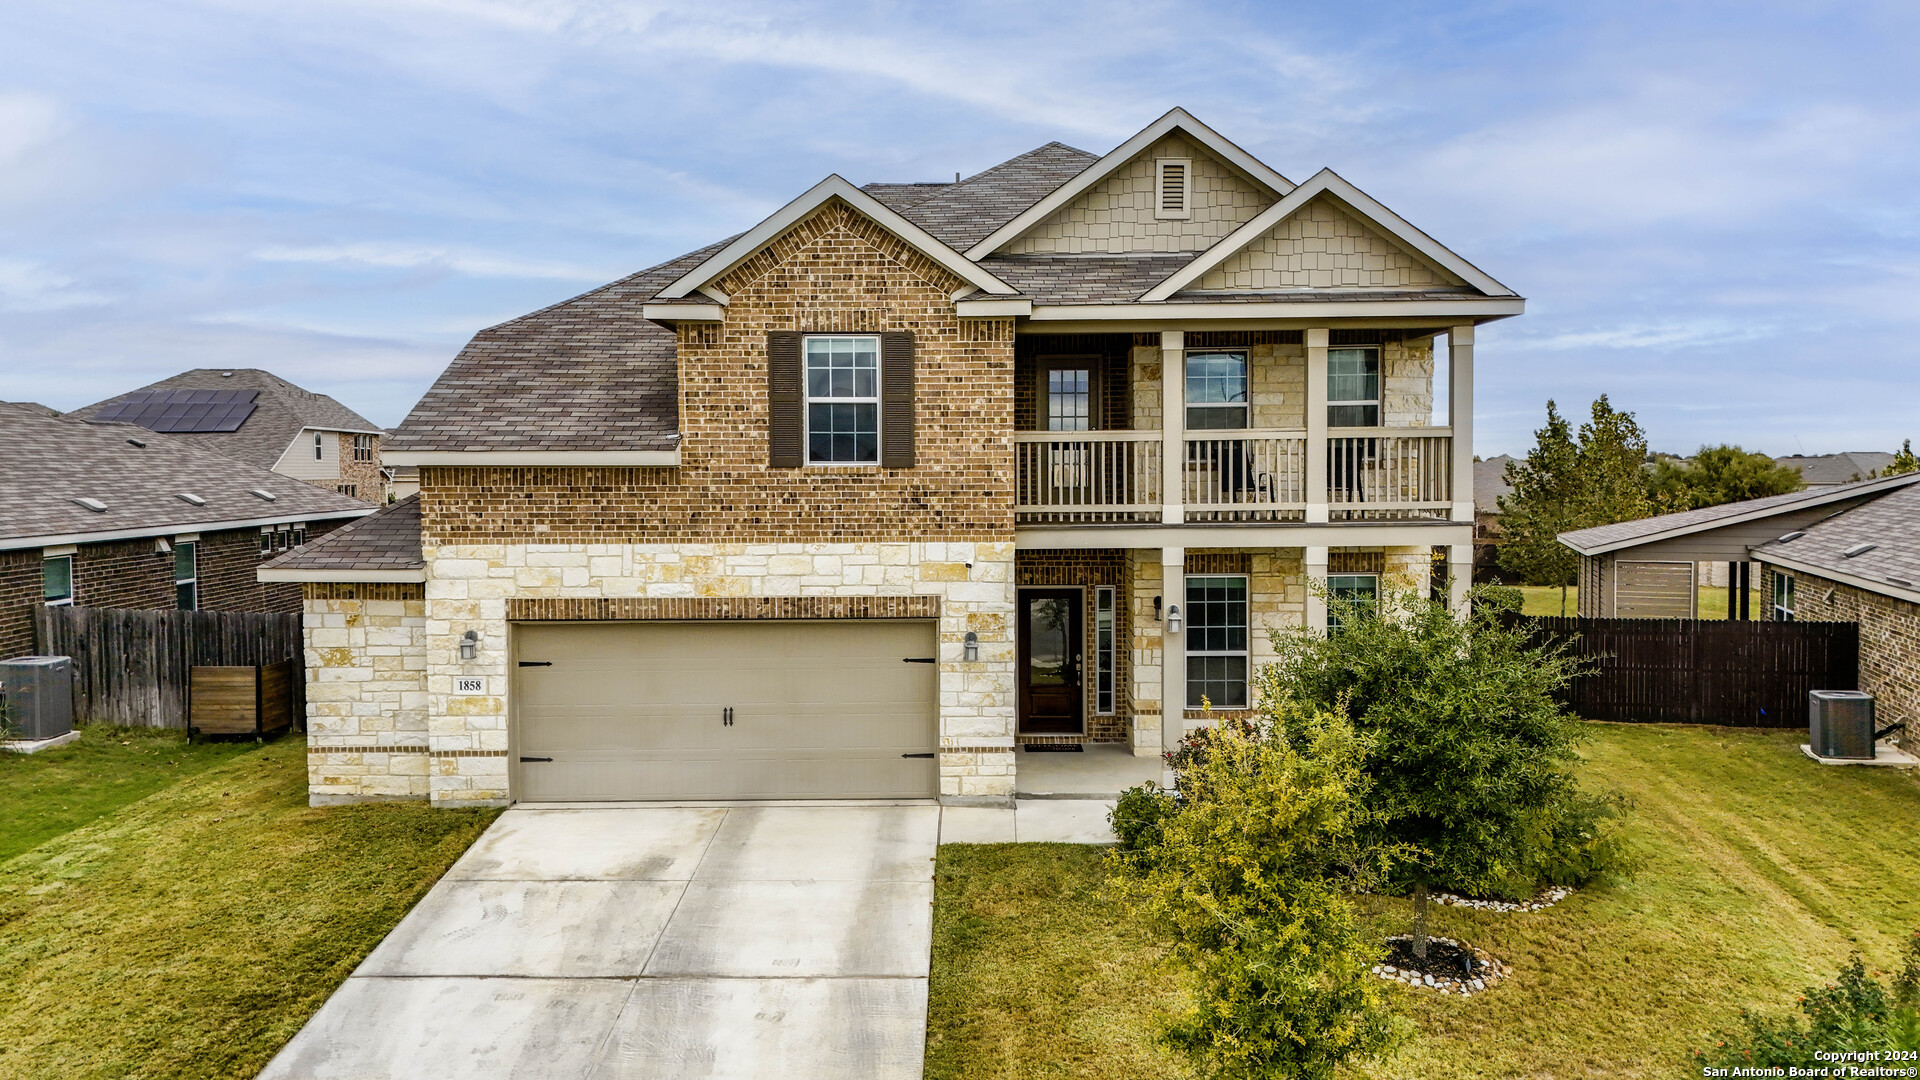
<point>190,933</point>
<point>1760,870</point>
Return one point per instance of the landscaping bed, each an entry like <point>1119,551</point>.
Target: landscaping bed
<point>191,932</point>
<point>1759,872</point>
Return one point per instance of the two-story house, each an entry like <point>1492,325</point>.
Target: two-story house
<point>860,501</point>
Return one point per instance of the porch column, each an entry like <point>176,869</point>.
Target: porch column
<point>1173,426</point>
<point>1460,418</point>
<point>1173,648</point>
<point>1317,433</point>
<point>1459,577</point>
<point>1316,565</point>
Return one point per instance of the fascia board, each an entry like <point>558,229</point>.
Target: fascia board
<point>344,577</point>
<point>1175,119</point>
<point>993,309</point>
<point>658,311</point>
<point>834,186</point>
<point>490,458</point>
<point>13,543</point>
<point>1884,588</point>
<point>1471,307</point>
<point>1327,182</point>
<point>1381,534</point>
<point>1845,492</point>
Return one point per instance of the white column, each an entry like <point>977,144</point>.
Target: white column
<point>1316,565</point>
<point>1173,426</point>
<point>1460,418</point>
<point>1173,648</point>
<point>1317,429</point>
<point>1460,576</point>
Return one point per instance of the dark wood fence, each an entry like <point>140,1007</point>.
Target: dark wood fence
<point>1676,671</point>
<point>133,667</point>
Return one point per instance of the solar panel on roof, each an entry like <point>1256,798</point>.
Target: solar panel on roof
<point>184,410</point>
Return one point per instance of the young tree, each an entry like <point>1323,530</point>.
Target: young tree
<point>1471,752</point>
<point>1545,502</point>
<point>1903,462</point>
<point>1252,880</point>
<point>1716,475</point>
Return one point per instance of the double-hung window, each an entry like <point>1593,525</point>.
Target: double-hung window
<point>186,575</point>
<point>56,579</point>
<point>1353,594</point>
<point>1217,641</point>
<point>1353,387</point>
<point>319,447</point>
<point>1216,390</point>
<point>1782,597</point>
<point>843,400</point>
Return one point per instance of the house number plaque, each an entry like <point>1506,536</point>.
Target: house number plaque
<point>469,686</point>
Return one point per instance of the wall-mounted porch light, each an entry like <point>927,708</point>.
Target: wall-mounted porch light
<point>1173,618</point>
<point>469,644</point>
<point>971,651</point>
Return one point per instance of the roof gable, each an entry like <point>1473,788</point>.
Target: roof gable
<point>1322,246</point>
<point>702,277</point>
<point>1211,143</point>
<point>1388,227</point>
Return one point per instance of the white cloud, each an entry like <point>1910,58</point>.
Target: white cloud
<point>390,256</point>
<point>32,286</point>
<point>1674,335</point>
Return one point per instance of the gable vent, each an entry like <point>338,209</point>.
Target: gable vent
<point>1173,188</point>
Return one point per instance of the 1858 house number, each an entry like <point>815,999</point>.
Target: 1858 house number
<point>469,686</point>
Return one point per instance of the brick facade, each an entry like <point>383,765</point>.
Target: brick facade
<point>361,477</point>
<point>1090,570</point>
<point>1889,641</point>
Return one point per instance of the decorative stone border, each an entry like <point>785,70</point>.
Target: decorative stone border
<point>1492,972</point>
<point>646,608</point>
<point>1545,899</point>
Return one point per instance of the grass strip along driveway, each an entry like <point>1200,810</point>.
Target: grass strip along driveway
<point>1759,872</point>
<point>190,932</point>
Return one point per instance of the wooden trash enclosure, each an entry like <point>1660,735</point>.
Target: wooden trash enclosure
<point>134,667</point>
<point>234,700</point>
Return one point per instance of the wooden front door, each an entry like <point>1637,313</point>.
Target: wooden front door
<point>1052,697</point>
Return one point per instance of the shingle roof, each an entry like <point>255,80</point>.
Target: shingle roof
<point>1083,279</point>
<point>1891,523</point>
<point>1606,537</point>
<point>283,410</point>
<point>1490,483</point>
<point>898,197</point>
<point>964,214</point>
<point>588,373</point>
<point>1825,469</point>
<point>51,461</point>
<point>386,540</point>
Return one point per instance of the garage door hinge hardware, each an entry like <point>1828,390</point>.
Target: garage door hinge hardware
<point>536,663</point>
<point>919,659</point>
<point>916,755</point>
<point>536,759</point>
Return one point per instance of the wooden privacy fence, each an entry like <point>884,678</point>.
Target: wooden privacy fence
<point>133,667</point>
<point>1680,671</point>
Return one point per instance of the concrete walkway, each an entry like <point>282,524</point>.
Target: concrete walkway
<point>652,942</point>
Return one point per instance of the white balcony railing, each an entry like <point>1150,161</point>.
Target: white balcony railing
<point>1086,477</point>
<point>1389,473</point>
<point>1245,476</point>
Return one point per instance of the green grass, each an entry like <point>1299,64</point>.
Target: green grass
<point>56,791</point>
<point>1759,872</point>
<point>192,932</point>
<point>1545,600</point>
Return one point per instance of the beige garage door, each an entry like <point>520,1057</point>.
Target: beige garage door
<point>741,710</point>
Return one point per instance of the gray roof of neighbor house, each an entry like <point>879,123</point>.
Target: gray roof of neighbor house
<point>52,461</point>
<point>281,411</point>
<point>1824,470</point>
<point>1490,483</point>
<point>33,407</point>
<point>1625,534</point>
<point>1891,524</point>
<point>388,540</point>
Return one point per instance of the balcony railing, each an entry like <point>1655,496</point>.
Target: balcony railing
<point>1245,476</point>
<point>1376,474</point>
<point>1086,477</point>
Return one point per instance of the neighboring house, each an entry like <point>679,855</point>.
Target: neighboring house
<point>1651,568</point>
<point>113,515</point>
<point>1860,565</point>
<point>257,417</point>
<point>1489,487</point>
<point>1830,470</point>
<point>900,479</point>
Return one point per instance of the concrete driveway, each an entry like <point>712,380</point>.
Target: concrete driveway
<point>659,942</point>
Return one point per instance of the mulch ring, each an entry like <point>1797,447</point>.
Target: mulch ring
<point>1545,898</point>
<point>1445,969</point>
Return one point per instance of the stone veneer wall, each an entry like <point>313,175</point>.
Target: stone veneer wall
<point>363,475</point>
<point>469,586</point>
<point>1889,641</point>
<point>366,665</point>
<point>1116,215</point>
<point>1322,246</point>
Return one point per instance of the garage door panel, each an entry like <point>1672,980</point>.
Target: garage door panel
<point>635,710</point>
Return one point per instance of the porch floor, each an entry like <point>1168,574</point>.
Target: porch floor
<point>1101,771</point>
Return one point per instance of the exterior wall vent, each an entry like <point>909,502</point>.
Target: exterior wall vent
<point>1173,188</point>
<point>94,505</point>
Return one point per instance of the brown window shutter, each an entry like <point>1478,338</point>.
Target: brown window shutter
<point>784,429</point>
<point>896,400</point>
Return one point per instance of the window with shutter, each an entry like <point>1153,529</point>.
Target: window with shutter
<point>1173,188</point>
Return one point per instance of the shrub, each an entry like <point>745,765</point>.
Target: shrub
<point>1139,815</point>
<point>1504,597</point>
<point>1855,1012</point>
<point>1250,880</point>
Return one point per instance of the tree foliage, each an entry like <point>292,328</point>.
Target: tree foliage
<point>1251,879</point>
<point>1716,475</point>
<point>1903,462</point>
<point>1571,481</point>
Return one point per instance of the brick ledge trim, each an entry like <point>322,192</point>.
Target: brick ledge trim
<point>684,608</point>
<point>977,749</point>
<point>311,750</point>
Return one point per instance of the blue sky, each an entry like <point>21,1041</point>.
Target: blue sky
<point>1710,207</point>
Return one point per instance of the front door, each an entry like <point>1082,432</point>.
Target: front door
<point>1051,696</point>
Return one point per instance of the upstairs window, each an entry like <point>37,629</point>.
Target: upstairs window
<point>319,447</point>
<point>1782,597</point>
<point>1216,390</point>
<point>363,448</point>
<point>1173,188</point>
<point>56,580</point>
<point>186,575</point>
<point>843,400</point>
<point>1353,387</point>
